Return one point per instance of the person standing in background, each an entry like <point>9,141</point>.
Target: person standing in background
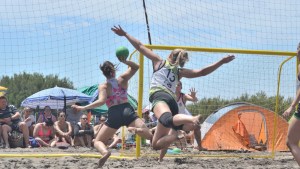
<point>294,125</point>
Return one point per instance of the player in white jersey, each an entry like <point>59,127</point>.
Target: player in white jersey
<point>294,126</point>
<point>182,98</point>
<point>162,90</point>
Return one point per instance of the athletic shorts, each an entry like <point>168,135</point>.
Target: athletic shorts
<point>120,115</point>
<point>164,97</point>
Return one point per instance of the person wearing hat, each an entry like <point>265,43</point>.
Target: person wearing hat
<point>10,120</point>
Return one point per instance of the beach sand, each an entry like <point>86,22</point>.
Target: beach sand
<point>186,160</point>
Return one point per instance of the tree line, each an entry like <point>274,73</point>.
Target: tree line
<point>22,85</point>
<point>206,106</point>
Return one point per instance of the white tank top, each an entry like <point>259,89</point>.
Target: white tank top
<point>181,105</point>
<point>165,78</point>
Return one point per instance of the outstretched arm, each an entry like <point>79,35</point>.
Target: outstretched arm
<point>189,73</point>
<point>101,100</point>
<point>192,96</point>
<point>138,45</point>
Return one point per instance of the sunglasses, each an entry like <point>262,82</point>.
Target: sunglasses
<point>84,118</point>
<point>62,116</point>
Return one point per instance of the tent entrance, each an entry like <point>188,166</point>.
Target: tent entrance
<point>255,124</point>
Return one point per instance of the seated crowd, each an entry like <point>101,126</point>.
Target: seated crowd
<point>67,129</point>
<point>22,129</point>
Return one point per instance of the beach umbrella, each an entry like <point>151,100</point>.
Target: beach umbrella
<point>93,92</point>
<point>3,90</point>
<point>56,98</point>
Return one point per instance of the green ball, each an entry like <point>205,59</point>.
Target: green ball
<point>122,52</point>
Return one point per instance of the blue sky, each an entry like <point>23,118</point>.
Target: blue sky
<point>72,37</point>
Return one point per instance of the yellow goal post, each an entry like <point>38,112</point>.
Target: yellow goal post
<point>204,49</point>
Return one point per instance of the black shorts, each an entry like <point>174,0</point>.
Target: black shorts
<point>120,115</point>
<point>167,98</point>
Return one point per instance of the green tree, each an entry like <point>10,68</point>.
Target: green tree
<point>22,85</point>
<point>207,106</point>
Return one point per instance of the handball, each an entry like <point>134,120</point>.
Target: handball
<point>122,52</point>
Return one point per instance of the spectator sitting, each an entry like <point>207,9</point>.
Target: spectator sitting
<point>63,129</point>
<point>112,142</point>
<point>146,117</point>
<point>29,119</point>
<point>73,116</point>
<point>152,116</point>
<point>10,120</point>
<point>47,114</point>
<point>149,119</point>
<point>83,132</point>
<point>44,133</point>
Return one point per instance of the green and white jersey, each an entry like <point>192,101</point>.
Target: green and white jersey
<point>165,79</point>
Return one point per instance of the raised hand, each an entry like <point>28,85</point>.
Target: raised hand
<point>122,59</point>
<point>288,111</point>
<point>118,30</point>
<point>228,58</point>
<point>193,92</point>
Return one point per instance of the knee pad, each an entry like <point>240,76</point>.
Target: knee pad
<point>166,119</point>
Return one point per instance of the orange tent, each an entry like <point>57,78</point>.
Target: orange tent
<point>244,126</point>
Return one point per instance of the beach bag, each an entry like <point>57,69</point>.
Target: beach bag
<point>33,142</point>
<point>15,139</point>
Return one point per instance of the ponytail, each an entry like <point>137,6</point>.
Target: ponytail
<point>179,57</point>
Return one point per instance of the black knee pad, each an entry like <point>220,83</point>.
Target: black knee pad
<point>166,119</point>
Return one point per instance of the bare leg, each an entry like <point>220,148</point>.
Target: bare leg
<point>25,131</point>
<point>102,137</point>
<point>197,134</point>
<point>89,140</point>
<point>67,139</point>
<point>293,138</point>
<point>41,142</point>
<point>5,130</point>
<point>116,140</point>
<point>161,139</point>
<point>31,128</point>
<point>52,143</point>
<point>1,138</point>
<point>139,127</point>
<point>164,150</point>
<point>162,154</point>
<point>81,141</point>
<point>180,119</point>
